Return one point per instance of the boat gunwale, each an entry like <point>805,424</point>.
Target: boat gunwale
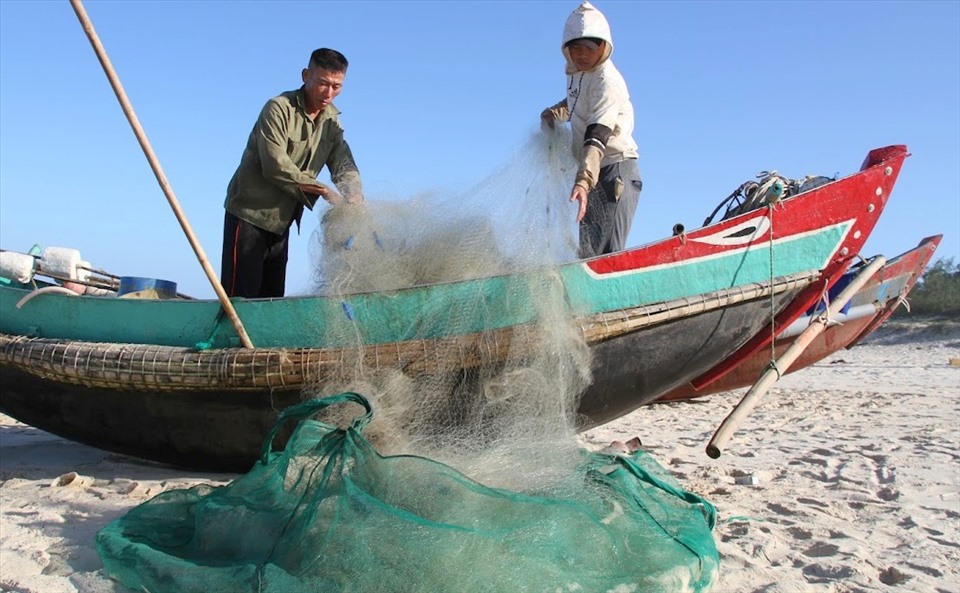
<point>176,368</point>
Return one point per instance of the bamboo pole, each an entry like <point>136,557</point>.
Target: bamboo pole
<point>752,398</point>
<point>158,170</point>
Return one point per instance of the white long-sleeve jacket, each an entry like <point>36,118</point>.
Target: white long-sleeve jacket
<point>598,96</point>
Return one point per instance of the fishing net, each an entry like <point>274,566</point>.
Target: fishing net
<point>469,476</point>
<point>331,514</point>
<point>506,413</point>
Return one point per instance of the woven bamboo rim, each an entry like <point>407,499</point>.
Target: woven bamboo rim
<point>168,368</point>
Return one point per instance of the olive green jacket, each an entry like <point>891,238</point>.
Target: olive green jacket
<point>286,149</point>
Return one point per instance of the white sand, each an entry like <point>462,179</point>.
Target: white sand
<point>846,479</point>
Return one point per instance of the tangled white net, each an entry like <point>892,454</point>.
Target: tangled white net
<point>510,424</point>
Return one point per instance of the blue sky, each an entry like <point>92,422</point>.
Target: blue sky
<point>441,94</point>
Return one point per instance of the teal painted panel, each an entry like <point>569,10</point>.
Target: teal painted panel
<point>384,317</point>
<point>448,309</point>
<point>103,319</point>
<point>589,293</point>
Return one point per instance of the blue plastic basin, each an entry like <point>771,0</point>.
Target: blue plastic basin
<point>165,288</point>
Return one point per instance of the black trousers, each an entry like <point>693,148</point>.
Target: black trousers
<point>254,261</point>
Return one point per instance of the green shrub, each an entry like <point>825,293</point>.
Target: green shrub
<point>937,292</point>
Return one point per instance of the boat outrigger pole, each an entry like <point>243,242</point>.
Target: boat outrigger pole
<point>752,398</point>
<point>158,171</point>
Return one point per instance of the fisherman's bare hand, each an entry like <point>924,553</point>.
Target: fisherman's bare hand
<point>328,194</point>
<point>331,196</point>
<point>579,194</point>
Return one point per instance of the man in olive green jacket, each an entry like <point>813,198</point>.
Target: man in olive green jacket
<point>297,133</point>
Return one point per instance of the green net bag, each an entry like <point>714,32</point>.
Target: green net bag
<point>329,514</point>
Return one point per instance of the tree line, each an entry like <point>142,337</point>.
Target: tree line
<point>937,292</point>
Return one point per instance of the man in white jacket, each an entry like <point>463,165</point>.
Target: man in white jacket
<point>597,105</point>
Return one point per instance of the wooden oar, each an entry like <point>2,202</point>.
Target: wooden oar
<point>752,398</point>
<point>158,171</point>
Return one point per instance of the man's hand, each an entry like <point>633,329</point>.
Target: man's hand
<point>327,193</point>
<point>579,194</point>
<point>331,196</point>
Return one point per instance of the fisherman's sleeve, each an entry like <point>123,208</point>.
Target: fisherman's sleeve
<point>603,118</point>
<point>273,129</point>
<point>343,170</point>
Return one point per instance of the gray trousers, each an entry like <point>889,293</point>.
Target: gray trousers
<point>610,209</point>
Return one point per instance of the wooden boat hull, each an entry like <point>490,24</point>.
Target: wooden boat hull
<point>165,380</point>
<point>869,308</point>
<point>221,424</point>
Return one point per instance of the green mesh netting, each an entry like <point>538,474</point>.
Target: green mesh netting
<point>329,514</point>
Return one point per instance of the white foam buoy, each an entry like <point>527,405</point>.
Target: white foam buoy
<point>18,267</point>
<point>61,262</point>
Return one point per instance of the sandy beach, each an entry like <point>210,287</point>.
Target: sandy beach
<point>845,479</point>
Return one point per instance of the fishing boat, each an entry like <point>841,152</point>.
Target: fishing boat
<point>866,311</point>
<point>169,379</point>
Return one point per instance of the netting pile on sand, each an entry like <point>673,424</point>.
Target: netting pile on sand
<point>331,514</point>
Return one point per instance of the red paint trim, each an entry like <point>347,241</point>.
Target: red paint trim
<point>875,184</point>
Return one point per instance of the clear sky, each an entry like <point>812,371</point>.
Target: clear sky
<point>442,94</point>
